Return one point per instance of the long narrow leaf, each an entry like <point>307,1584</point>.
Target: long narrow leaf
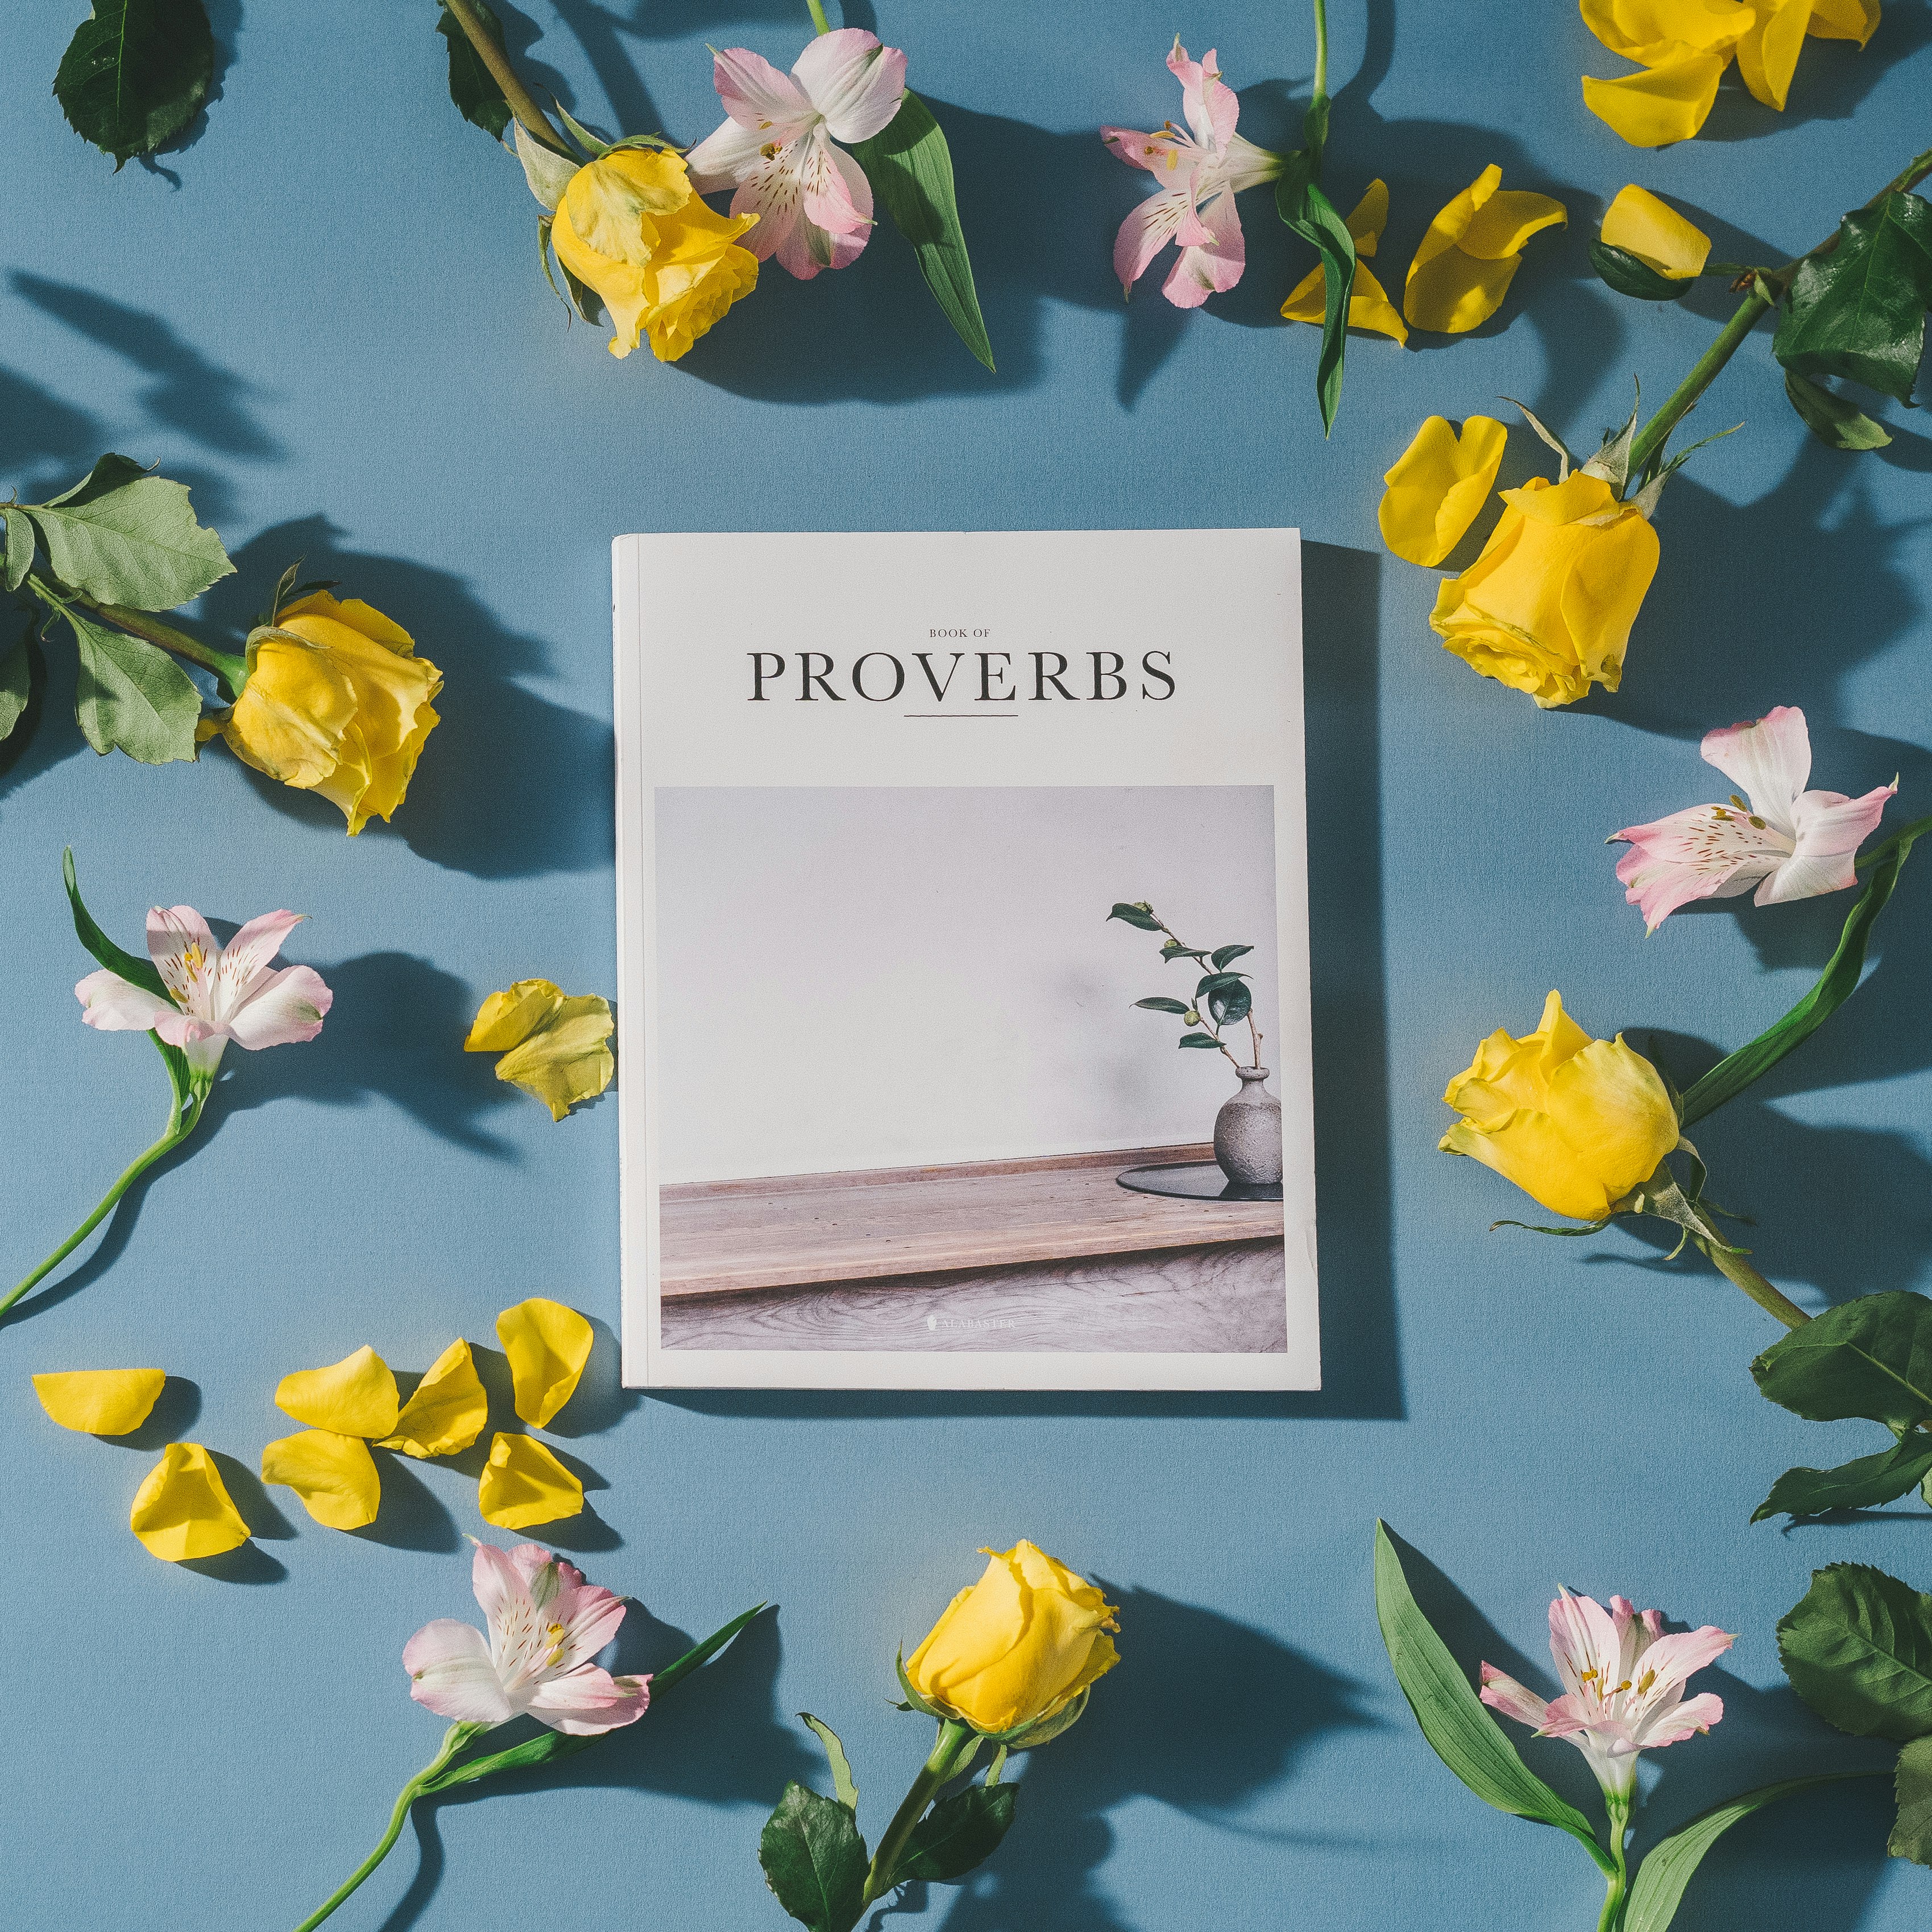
<point>1300,202</point>
<point>136,971</point>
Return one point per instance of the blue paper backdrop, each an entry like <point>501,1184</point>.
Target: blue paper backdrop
<point>325,312</point>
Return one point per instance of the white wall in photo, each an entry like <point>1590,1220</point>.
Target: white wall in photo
<point>883,977</point>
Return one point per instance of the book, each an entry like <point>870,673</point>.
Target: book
<point>963,1013</point>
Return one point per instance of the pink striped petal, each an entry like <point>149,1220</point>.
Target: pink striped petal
<point>1830,828</point>
<point>1212,109</point>
<point>756,96</point>
<point>285,1007</point>
<point>724,158</point>
<point>1769,760</point>
<point>1215,267</point>
<point>1504,1694</point>
<point>853,81</point>
<point>1678,1722</point>
<point>252,949</point>
<point>453,1676</point>
<point>588,1700</point>
<point>115,1005</point>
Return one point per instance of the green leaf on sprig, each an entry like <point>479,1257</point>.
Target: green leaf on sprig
<point>1206,1039</point>
<point>1173,950</point>
<point>1139,914</point>
<point>1223,955</point>
<point>472,85</point>
<point>1858,1649</point>
<point>123,536</point>
<point>958,1833</point>
<point>1631,275</point>
<point>910,168</point>
<point>1309,213</point>
<point>131,696</point>
<point>135,74</point>
<point>842,1784</point>
<point>1226,997</point>
<point>1158,1005</point>
<point>1869,1357</point>
<point>1830,418</point>
<point>1460,1731</point>
<point>1912,1835</point>
<point>1859,309</point>
<point>17,686</point>
<point>814,1860</point>
<point>1866,1484</point>
<point>19,535</point>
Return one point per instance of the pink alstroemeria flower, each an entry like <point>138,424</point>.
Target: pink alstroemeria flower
<point>1789,843</point>
<point>1200,173</point>
<point>546,1625</point>
<point>218,994</point>
<point>812,200</point>
<point>1623,1685</point>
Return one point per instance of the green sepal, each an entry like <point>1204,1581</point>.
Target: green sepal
<point>136,73</point>
<point>1858,1649</point>
<point>1309,213</point>
<point>1870,1357</point>
<point>1858,310</point>
<point>814,1860</point>
<point>958,1833</point>
<point>1631,275</point>
<point>1866,1484</point>
<point>1830,418</point>
<point>472,85</point>
<point>843,1787</point>
<point>914,1701</point>
<point>591,144</point>
<point>1912,1834</point>
<point>1041,1730</point>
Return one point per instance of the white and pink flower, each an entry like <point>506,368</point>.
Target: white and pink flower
<point>1623,1685</point>
<point>1789,843</point>
<point>777,147</point>
<point>216,993</point>
<point>1200,170</point>
<point>547,1625</point>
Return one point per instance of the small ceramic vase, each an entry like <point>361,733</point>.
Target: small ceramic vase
<point>1247,1133</point>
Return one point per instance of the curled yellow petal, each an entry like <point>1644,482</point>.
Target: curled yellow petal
<point>553,1045</point>
<point>508,1018</point>
<point>548,1344</point>
<point>1664,104</point>
<point>1654,31</point>
<point>1439,486</point>
<point>355,1396</point>
<point>523,1483</point>
<point>1768,55</point>
<point>1641,225</point>
<point>1466,262</point>
<point>334,1476</point>
<point>101,1402</point>
<point>448,1411</point>
<point>1505,223</point>
<point>182,1509</point>
<point>1843,20</point>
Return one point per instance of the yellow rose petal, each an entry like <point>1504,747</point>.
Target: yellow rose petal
<point>1641,225</point>
<point>508,1018</point>
<point>334,1476</point>
<point>523,1483</point>
<point>1664,104</point>
<point>1843,20</point>
<point>182,1509</point>
<point>1654,31</point>
<point>552,1045</point>
<point>1464,265</point>
<point>548,1344</point>
<point>101,1402</point>
<point>1368,304</point>
<point>356,1397</point>
<point>1439,486</point>
<point>1503,225</point>
<point>448,1411</point>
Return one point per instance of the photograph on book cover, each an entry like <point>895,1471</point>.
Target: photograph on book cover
<point>963,974</point>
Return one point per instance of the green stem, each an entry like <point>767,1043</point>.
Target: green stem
<point>1319,91</point>
<point>1736,1269</point>
<point>818,19</point>
<point>232,670</point>
<point>454,1740</point>
<point>956,1742</point>
<point>519,98</point>
<point>1617,1886</point>
<point>180,1126</point>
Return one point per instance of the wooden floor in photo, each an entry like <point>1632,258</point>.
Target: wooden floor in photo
<point>1046,1254</point>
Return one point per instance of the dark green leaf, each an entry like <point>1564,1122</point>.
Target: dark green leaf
<point>1158,1005</point>
<point>1308,212</point>
<point>1666,1869</point>
<point>16,687</point>
<point>1831,418</point>
<point>125,537</point>
<point>1836,984</point>
<point>1858,309</point>
<point>1870,1357</point>
<point>1207,1039</point>
<point>1912,1836</point>
<point>1173,949</point>
<point>910,168</point>
<point>846,1792</point>
<point>958,1834</point>
<point>1864,1484</point>
<point>1459,1731</point>
<point>19,534</point>
<point>1140,915</point>
<point>135,73</point>
<point>1227,997</point>
<point>1859,1650</point>
<point>137,971</point>
<point>131,696</point>
<point>814,1860</point>
<point>1631,275</point>
<point>1223,954</point>
<point>472,85</point>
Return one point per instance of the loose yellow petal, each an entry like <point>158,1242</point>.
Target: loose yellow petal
<point>356,1396</point>
<point>1665,104</point>
<point>101,1402</point>
<point>1457,292</point>
<point>1656,234</point>
<point>1844,20</point>
<point>523,1483</point>
<point>1768,55</point>
<point>1501,227</point>
<point>335,1475</point>
<point>1652,32</point>
<point>552,1046</point>
<point>448,1411</point>
<point>548,1344</point>
<point>182,1509</point>
<point>508,1018</point>
<point>1439,486</point>
<point>1466,262</point>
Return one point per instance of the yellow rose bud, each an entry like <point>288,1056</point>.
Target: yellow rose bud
<point>1547,608</point>
<point>337,702</point>
<point>667,266</point>
<point>1017,1648</point>
<point>1439,487</point>
<point>1656,234</point>
<point>1576,1123</point>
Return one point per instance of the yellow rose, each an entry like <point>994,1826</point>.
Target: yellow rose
<point>1576,1123</point>
<point>1547,608</point>
<point>667,266</point>
<point>1015,1651</point>
<point>337,702</point>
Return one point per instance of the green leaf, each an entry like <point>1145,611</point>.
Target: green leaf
<point>1666,1870</point>
<point>1863,1484</point>
<point>958,1834</point>
<point>1859,1650</point>
<point>131,696</point>
<point>702,1652</point>
<point>19,534</point>
<point>125,537</point>
<point>910,168</point>
<point>1158,1005</point>
<point>1460,1731</point>
<point>135,73</point>
<point>137,971</point>
<point>1858,309</point>
<point>1631,275</point>
<point>1226,996</point>
<point>1206,1039</point>
<point>1912,1835</point>
<point>1222,954</point>
<point>842,1785</point>
<point>1831,418</point>
<point>1173,949</point>
<point>1309,213</point>
<point>814,1860</point>
<point>472,85</point>
<point>1140,914</point>
<point>1836,984</point>
<point>16,687</point>
<point>1869,1357</point>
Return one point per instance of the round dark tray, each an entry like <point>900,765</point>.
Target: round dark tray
<point>1197,1180</point>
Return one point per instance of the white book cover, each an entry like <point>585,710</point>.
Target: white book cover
<point>963,1001</point>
